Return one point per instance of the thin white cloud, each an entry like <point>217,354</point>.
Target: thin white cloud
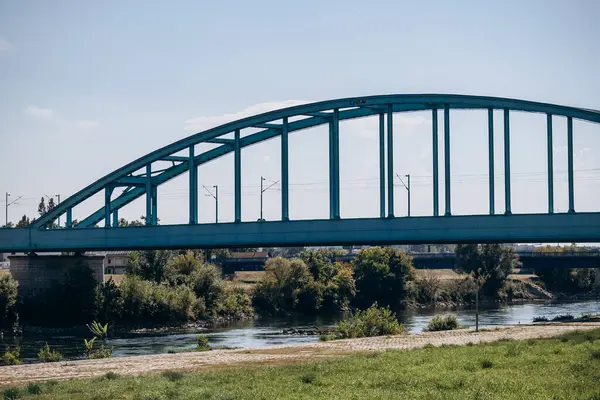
<point>199,124</point>
<point>87,124</point>
<point>38,112</point>
<point>403,124</point>
<point>5,46</point>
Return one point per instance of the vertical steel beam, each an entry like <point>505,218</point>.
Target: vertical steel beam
<point>390,166</point>
<point>570,162</point>
<point>115,215</point>
<point>107,193</point>
<point>149,194</point>
<point>436,184</point>
<point>336,162</point>
<point>491,173</point>
<point>382,165</point>
<point>507,162</point>
<point>69,217</point>
<point>154,205</point>
<point>285,214</point>
<point>331,173</point>
<point>193,187</point>
<point>550,165</point>
<point>238,176</point>
<point>447,159</point>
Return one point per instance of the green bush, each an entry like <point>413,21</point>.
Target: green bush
<point>442,323</point>
<point>8,301</point>
<point>12,394</point>
<point>382,276</point>
<point>34,388</point>
<point>146,302</point>
<point>111,376</point>
<point>234,303</point>
<point>47,355</point>
<point>202,343</point>
<point>11,357</point>
<point>375,321</point>
<point>100,352</point>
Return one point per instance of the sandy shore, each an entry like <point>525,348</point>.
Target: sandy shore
<point>20,374</point>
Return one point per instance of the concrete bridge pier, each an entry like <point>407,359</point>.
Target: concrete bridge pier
<point>40,272</point>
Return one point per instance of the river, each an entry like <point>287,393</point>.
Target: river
<point>268,332</point>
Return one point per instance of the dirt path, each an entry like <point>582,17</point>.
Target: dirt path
<point>21,374</point>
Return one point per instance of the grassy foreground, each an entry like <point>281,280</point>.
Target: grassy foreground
<point>567,367</point>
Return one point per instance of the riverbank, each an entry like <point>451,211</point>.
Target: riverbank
<point>274,355</point>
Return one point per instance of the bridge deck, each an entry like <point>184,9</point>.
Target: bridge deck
<point>516,228</point>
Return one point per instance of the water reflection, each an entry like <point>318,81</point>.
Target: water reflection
<point>267,332</point>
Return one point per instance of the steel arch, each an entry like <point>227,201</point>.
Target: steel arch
<point>315,114</point>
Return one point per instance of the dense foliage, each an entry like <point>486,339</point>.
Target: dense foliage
<point>315,282</point>
<point>8,301</point>
<point>374,321</point>
<point>488,264</point>
<point>442,323</point>
<point>382,276</point>
<point>162,288</point>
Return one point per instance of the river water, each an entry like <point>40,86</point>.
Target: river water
<point>268,332</point>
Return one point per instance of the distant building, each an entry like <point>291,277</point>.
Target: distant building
<point>246,261</point>
<point>115,262</point>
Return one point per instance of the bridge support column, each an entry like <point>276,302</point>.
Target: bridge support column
<point>238,176</point>
<point>390,154</point>
<point>149,194</point>
<point>334,167</point>
<point>285,214</point>
<point>69,217</point>
<point>447,159</point>
<point>436,183</point>
<point>154,205</point>
<point>107,193</point>
<point>115,215</point>
<point>42,272</point>
<point>382,165</point>
<point>507,195</point>
<point>550,165</point>
<point>193,187</point>
<point>491,159</point>
<point>570,162</point>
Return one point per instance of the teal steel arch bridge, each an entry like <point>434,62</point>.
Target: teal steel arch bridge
<point>141,178</point>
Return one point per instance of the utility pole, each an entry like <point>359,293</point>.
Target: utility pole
<point>216,197</point>
<point>262,179</point>
<point>407,187</point>
<point>8,204</point>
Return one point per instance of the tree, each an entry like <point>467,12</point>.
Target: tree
<point>381,276</point>
<point>149,265</point>
<point>287,287</point>
<point>488,264</point>
<point>8,225</point>
<point>24,222</point>
<point>51,205</point>
<point>42,207</point>
<point>8,301</point>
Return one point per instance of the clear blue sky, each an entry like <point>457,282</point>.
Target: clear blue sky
<point>86,87</point>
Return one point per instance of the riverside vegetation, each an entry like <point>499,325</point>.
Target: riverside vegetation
<point>506,369</point>
<point>170,288</point>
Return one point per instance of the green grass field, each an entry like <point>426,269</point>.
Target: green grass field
<point>561,368</point>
